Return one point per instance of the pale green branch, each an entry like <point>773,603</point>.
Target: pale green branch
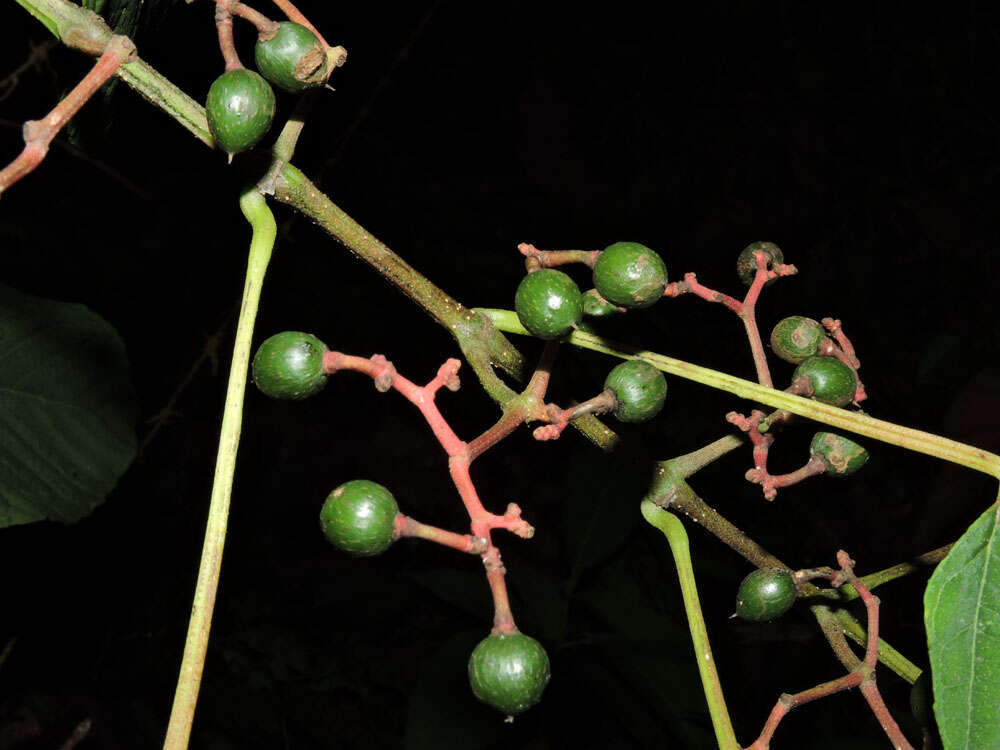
<point>860,424</point>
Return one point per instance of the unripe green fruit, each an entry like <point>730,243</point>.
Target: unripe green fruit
<point>639,388</point>
<point>630,275</point>
<point>796,338</point>
<point>840,456</point>
<point>548,303</point>
<point>765,594</point>
<point>359,518</point>
<point>746,264</point>
<point>596,306</point>
<point>289,365</point>
<point>240,108</point>
<point>293,59</point>
<point>832,381</point>
<point>509,671</point>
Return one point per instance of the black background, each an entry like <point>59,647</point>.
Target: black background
<point>863,141</point>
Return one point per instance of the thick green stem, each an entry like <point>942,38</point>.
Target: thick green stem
<point>925,561</point>
<point>673,530</point>
<point>265,230</point>
<point>886,653</point>
<point>861,424</point>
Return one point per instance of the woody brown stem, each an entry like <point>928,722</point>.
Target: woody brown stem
<point>38,134</point>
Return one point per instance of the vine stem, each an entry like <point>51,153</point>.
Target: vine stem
<point>256,211</point>
<point>677,538</point>
<point>861,424</point>
<point>38,134</point>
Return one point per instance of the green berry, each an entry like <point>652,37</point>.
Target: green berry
<point>289,365</point>
<point>359,518</point>
<point>746,264</point>
<point>240,108</point>
<point>765,594</point>
<point>832,381</point>
<point>548,303</point>
<point>630,275</point>
<point>639,389</point>
<point>796,338</point>
<point>509,671</point>
<point>596,306</point>
<point>840,456</point>
<point>293,59</point>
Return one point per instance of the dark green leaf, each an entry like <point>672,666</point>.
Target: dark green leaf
<point>601,509</point>
<point>67,409</point>
<point>443,713</point>
<point>653,653</point>
<point>461,588</point>
<point>539,604</point>
<point>621,702</point>
<point>962,615</point>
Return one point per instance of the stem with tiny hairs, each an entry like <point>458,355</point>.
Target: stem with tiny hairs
<point>256,211</point>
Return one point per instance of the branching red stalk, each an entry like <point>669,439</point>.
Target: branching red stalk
<point>844,351</point>
<point>409,527</point>
<point>862,676</point>
<point>460,457</point>
<point>745,310</point>
<point>602,403</point>
<point>264,25</point>
<point>748,314</point>
<point>535,258</point>
<point>294,14</point>
<point>770,483</point>
<point>224,29</point>
<point>38,134</point>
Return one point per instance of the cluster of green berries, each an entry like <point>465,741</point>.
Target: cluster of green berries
<point>626,274</point>
<point>508,671</point>
<point>240,105</point>
<point>803,342</point>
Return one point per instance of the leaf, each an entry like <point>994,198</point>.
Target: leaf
<point>600,510</point>
<point>621,702</point>
<point>461,588</point>
<point>67,409</point>
<point>962,616</point>
<point>651,652</point>
<point>539,604</point>
<point>443,714</point>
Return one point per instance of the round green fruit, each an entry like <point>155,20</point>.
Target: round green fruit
<point>840,456</point>
<point>831,380</point>
<point>639,389</point>
<point>630,275</point>
<point>765,594</point>
<point>293,59</point>
<point>289,365</point>
<point>240,108</point>
<point>548,303</point>
<point>359,518</point>
<point>509,671</point>
<point>595,306</point>
<point>746,264</point>
<point>796,338</point>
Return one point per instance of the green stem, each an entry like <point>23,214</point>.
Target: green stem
<point>861,424</point>
<point>886,653</point>
<point>872,580</point>
<point>673,530</point>
<point>261,219</point>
